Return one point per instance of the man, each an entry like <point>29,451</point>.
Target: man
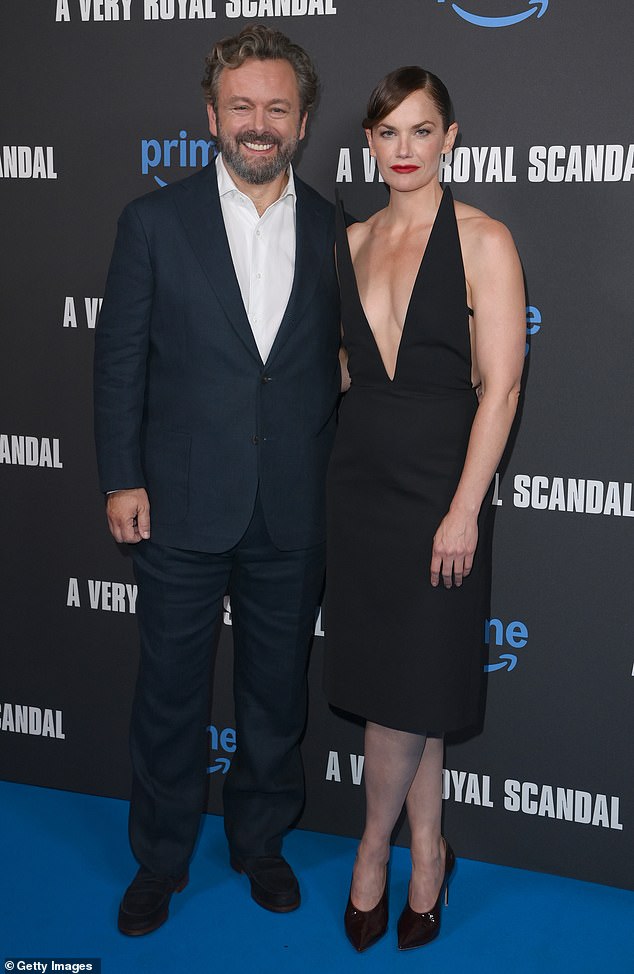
<point>216,379</point>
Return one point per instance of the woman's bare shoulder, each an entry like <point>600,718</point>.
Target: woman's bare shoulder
<point>478,230</point>
<point>359,233</point>
<point>356,231</point>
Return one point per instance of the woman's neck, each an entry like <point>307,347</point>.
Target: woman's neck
<point>417,207</point>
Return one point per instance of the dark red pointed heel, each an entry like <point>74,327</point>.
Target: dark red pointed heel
<point>365,927</point>
<point>418,929</point>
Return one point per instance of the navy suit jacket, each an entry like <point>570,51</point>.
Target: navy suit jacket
<point>184,405</point>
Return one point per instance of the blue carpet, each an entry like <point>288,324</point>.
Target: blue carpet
<point>66,863</point>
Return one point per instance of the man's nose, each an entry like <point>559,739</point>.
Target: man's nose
<point>259,119</point>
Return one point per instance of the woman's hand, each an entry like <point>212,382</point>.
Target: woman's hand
<point>453,549</point>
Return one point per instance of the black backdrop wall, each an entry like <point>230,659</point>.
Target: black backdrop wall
<point>100,102</point>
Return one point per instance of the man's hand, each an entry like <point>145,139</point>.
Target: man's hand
<point>128,513</point>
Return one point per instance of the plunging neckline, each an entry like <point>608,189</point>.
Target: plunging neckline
<point>392,378</point>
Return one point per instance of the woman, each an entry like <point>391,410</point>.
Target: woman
<point>433,310</point>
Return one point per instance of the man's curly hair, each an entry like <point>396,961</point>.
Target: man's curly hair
<point>264,44</point>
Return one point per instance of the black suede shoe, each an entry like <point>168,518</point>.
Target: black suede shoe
<point>145,903</point>
<point>273,882</point>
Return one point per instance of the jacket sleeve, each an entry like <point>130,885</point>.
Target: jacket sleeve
<point>121,350</point>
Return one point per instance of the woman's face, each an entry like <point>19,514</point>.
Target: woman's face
<point>408,143</point>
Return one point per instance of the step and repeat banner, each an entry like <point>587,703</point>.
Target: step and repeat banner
<point>100,103</point>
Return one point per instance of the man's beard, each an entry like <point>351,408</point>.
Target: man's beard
<point>253,170</point>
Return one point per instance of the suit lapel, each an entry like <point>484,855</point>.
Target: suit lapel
<point>199,208</point>
<point>309,250</point>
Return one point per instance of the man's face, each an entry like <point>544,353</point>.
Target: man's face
<point>257,122</point>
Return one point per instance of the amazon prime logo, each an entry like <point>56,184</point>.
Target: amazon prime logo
<point>512,636</point>
<point>221,740</point>
<point>531,8</point>
<point>181,153</point>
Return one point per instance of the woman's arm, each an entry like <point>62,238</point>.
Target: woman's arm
<point>345,375</point>
<point>497,292</point>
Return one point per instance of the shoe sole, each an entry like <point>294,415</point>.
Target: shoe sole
<point>140,932</point>
<point>374,940</point>
<point>423,943</point>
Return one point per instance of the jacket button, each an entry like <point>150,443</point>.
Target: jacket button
<point>265,379</point>
<point>254,440</point>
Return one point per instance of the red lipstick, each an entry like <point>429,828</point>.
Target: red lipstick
<point>404,169</point>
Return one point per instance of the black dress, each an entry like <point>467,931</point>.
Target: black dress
<point>399,652</point>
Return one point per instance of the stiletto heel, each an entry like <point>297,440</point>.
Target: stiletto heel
<point>418,929</point>
<point>365,927</point>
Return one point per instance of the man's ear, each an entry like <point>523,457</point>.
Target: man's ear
<point>213,124</point>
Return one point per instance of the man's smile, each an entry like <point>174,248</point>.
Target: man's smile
<point>259,146</point>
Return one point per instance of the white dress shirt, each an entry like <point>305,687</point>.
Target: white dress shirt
<point>263,253</point>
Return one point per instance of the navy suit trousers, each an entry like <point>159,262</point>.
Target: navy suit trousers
<point>274,598</point>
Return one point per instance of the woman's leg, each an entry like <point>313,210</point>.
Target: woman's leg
<point>424,808</point>
<point>392,763</point>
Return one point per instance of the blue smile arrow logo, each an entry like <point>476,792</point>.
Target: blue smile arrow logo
<point>507,661</point>
<point>538,7</point>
